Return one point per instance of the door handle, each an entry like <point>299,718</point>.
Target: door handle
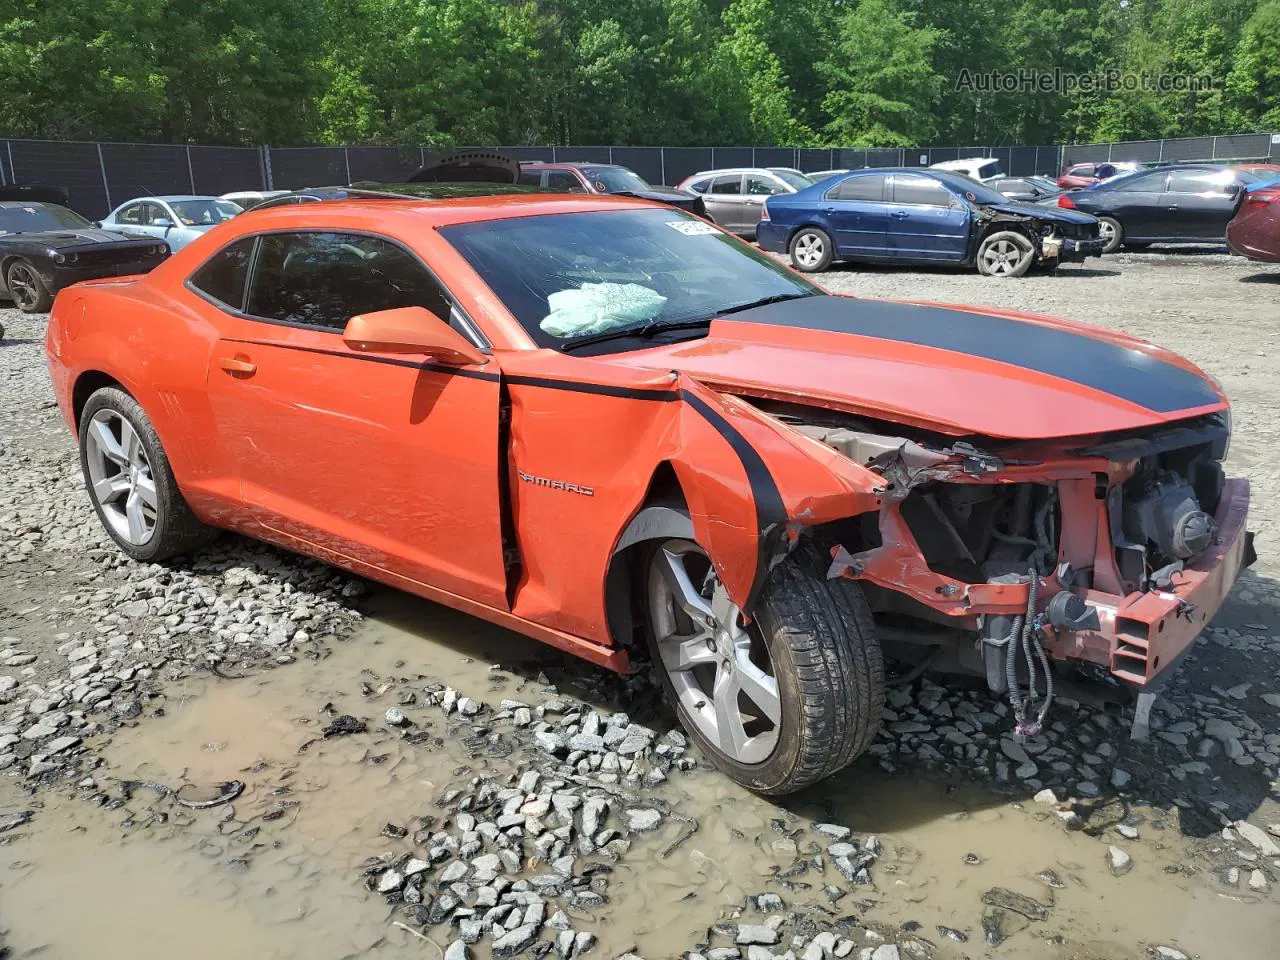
<point>900,214</point>
<point>237,365</point>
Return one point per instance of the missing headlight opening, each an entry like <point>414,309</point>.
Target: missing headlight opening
<point>1011,560</point>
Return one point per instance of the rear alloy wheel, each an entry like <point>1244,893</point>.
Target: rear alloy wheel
<point>811,250</point>
<point>778,703</point>
<point>1111,233</point>
<point>28,291</point>
<point>1005,254</point>
<point>130,481</point>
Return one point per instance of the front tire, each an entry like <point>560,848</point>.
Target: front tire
<point>28,291</point>
<point>1005,254</point>
<point>1112,231</point>
<point>784,701</point>
<point>811,250</point>
<point>131,483</point>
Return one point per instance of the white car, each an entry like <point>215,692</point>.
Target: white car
<point>248,199</point>
<point>176,220</point>
<point>982,169</point>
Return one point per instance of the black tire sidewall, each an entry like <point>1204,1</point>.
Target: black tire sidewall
<point>828,250</point>
<point>113,398</point>
<point>44,299</point>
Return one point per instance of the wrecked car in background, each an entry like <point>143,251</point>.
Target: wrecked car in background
<point>619,430</point>
<point>915,216</point>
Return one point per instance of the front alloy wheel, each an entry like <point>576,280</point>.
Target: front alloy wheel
<point>781,701</point>
<point>719,669</point>
<point>120,477</point>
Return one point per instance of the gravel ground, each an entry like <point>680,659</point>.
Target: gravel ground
<point>90,642</point>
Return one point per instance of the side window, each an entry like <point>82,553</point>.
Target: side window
<point>730,184</point>
<point>1082,170</point>
<point>1198,181</point>
<point>762,186</point>
<point>698,186</point>
<point>867,188</point>
<point>222,276</point>
<point>155,213</point>
<point>562,181</point>
<point>920,190</point>
<point>325,279</point>
<point>131,214</point>
<point>1151,182</point>
<point>531,178</point>
<point>1007,187</point>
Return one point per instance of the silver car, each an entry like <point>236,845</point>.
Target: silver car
<point>176,220</point>
<point>735,197</point>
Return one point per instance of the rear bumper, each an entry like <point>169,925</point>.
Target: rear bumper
<point>771,237</point>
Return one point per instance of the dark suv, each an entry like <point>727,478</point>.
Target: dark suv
<point>604,178</point>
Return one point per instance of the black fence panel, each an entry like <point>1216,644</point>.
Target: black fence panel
<point>145,169</point>
<point>725,157</point>
<point>219,170</point>
<point>386,164</point>
<point>971,153</point>
<point>581,154</point>
<point>1247,146</point>
<point>71,165</point>
<point>1021,162</point>
<point>775,157</point>
<point>937,154</point>
<point>847,158</point>
<point>545,154</point>
<point>681,162</point>
<point>295,167</point>
<point>1084,153</point>
<point>645,161</point>
<point>1191,148</point>
<point>815,159</point>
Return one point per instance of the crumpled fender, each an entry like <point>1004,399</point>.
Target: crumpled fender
<point>752,484</point>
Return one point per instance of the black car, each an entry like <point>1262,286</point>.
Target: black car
<point>45,247</point>
<point>1191,203</point>
<point>1025,188</point>
<point>568,177</point>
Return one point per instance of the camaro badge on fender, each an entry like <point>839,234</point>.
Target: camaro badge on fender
<point>556,484</point>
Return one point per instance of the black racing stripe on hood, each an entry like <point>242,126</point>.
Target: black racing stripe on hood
<point>1129,374</point>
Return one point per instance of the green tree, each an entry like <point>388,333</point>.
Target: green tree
<point>882,87</point>
<point>1253,86</point>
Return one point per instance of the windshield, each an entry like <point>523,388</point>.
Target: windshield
<point>797,180</point>
<point>614,179</point>
<point>198,213</point>
<point>35,217</point>
<point>570,275</point>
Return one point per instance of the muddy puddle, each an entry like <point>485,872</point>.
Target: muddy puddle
<point>277,872</point>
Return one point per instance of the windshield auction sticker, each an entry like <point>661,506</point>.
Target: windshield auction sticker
<point>693,228</point>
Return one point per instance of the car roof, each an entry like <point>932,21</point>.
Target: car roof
<point>377,212</point>
<point>726,171</point>
<point>539,164</point>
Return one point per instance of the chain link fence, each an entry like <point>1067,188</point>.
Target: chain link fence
<point>101,176</point>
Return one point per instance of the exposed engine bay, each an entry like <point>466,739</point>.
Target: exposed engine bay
<point>1002,558</point>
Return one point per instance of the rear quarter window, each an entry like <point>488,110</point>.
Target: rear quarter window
<point>222,277</point>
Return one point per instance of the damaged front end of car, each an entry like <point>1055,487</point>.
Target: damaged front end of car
<point>1009,560</point>
<point>1054,241</point>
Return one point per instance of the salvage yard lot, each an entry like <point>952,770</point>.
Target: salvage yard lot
<point>954,816</point>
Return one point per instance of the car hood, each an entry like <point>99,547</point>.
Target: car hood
<point>1058,214</point>
<point>953,370</point>
<point>86,236</point>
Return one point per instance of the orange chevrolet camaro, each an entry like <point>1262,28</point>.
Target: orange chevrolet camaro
<point>611,426</point>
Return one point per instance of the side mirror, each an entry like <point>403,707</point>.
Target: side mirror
<point>414,330</point>
<point>163,222</point>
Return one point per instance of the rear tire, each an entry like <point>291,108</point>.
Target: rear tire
<point>812,637</point>
<point>1111,230</point>
<point>130,481</point>
<point>811,250</point>
<point>28,291</point>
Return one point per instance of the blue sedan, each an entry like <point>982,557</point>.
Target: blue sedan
<point>918,216</point>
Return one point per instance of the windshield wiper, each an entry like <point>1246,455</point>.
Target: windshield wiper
<point>643,331</point>
<point>764,302</point>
